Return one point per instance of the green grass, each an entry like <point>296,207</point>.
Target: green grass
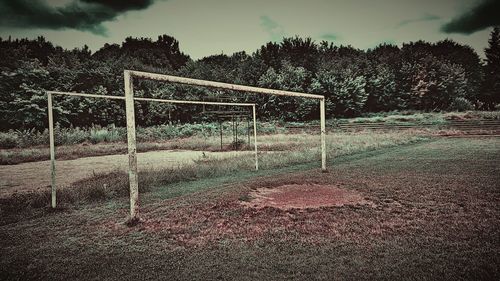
<point>435,217</point>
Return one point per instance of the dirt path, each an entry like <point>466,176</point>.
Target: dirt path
<point>36,175</point>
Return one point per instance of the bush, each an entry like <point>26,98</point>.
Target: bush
<point>98,135</point>
<point>461,104</point>
<point>32,137</point>
<point>9,140</point>
<point>72,135</point>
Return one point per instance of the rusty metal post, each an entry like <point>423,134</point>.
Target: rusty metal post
<point>132,149</point>
<point>53,187</point>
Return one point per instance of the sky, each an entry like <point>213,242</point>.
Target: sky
<point>208,27</point>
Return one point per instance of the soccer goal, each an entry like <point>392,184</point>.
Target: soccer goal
<point>129,76</point>
<point>187,102</point>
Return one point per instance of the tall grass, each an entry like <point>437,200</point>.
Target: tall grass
<point>97,134</point>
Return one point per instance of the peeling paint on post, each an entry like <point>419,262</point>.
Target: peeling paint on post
<point>323,134</point>
<point>255,138</point>
<point>52,153</point>
<point>132,150</point>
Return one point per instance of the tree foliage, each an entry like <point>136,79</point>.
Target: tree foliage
<point>417,75</point>
<point>491,87</point>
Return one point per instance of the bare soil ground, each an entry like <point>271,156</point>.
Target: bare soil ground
<point>304,196</point>
<point>36,175</point>
<point>435,214</point>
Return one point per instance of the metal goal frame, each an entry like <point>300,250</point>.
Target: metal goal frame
<point>51,127</point>
<point>129,75</point>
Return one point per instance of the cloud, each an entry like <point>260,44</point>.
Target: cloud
<point>330,37</point>
<point>275,30</point>
<point>424,18</point>
<point>482,16</point>
<point>85,15</point>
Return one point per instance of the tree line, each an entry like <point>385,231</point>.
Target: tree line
<point>418,75</point>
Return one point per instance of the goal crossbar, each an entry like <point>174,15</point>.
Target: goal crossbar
<point>190,102</point>
<point>218,85</point>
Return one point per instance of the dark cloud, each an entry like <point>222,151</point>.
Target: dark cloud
<point>274,29</point>
<point>424,18</point>
<point>483,15</point>
<point>86,15</point>
<point>122,5</point>
<point>330,37</point>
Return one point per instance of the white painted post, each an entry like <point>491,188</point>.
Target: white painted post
<point>323,134</point>
<point>132,151</point>
<point>52,153</point>
<point>255,138</point>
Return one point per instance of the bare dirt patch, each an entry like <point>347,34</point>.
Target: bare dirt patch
<point>300,196</point>
<point>34,176</point>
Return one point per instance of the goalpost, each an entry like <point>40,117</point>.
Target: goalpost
<point>51,127</point>
<point>129,75</point>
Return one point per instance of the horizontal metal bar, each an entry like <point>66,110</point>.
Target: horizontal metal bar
<point>149,99</point>
<point>195,102</point>
<point>219,85</point>
<point>86,95</point>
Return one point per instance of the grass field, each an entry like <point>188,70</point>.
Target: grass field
<point>434,216</point>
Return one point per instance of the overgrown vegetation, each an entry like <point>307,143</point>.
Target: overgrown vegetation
<point>97,134</point>
<point>30,145</point>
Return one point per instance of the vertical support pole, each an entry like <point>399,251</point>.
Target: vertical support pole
<point>255,138</point>
<point>236,132</point>
<point>53,202</point>
<point>248,130</point>
<point>323,134</point>
<point>234,141</point>
<point>220,128</point>
<point>132,151</point>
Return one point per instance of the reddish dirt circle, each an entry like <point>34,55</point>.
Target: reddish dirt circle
<point>296,196</point>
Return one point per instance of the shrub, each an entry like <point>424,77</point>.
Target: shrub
<point>98,135</point>
<point>32,137</point>
<point>72,136</point>
<point>9,140</point>
<point>461,104</point>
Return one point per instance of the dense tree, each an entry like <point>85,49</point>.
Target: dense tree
<point>419,75</point>
<point>343,84</point>
<point>289,78</point>
<point>491,89</point>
